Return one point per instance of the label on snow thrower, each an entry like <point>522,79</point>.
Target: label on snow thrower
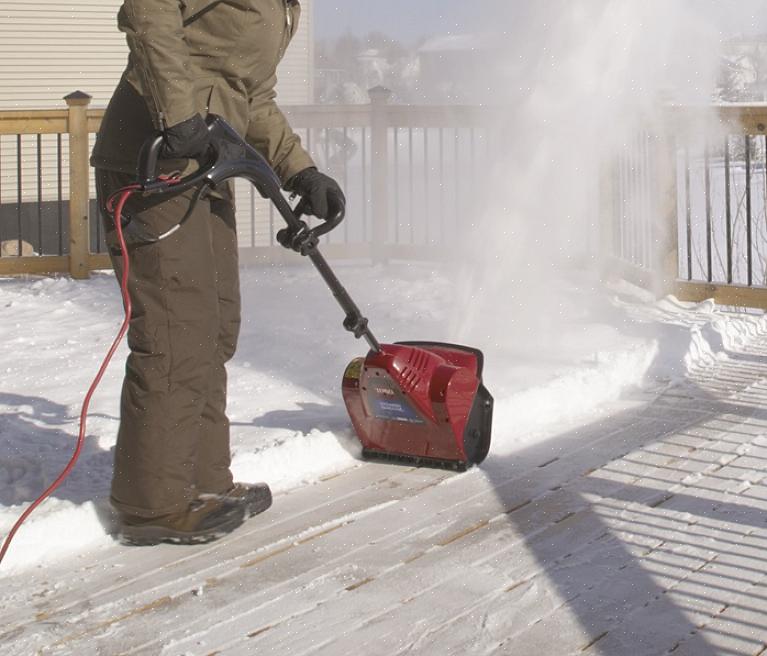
<point>389,404</point>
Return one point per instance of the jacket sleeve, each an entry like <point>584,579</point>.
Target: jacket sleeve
<point>271,135</point>
<point>154,30</point>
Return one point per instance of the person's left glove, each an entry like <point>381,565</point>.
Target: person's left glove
<point>188,139</point>
<point>323,194</point>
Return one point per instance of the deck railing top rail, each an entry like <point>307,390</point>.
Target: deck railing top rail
<point>396,152</point>
<point>53,121</point>
<point>730,118</point>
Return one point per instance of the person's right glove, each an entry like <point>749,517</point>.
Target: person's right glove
<point>323,194</point>
<point>188,139</point>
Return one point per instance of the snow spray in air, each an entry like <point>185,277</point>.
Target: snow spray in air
<point>581,80</point>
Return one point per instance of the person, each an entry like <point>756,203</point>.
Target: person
<point>172,480</point>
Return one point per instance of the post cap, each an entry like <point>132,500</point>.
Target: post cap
<point>379,94</point>
<point>78,98</point>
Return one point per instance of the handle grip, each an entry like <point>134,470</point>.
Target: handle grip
<point>304,208</point>
<point>330,224</point>
<point>211,169</point>
<point>147,160</point>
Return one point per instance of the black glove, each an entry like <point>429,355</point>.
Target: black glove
<point>188,139</point>
<point>323,194</point>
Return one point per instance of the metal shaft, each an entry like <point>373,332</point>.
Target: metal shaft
<point>353,315</point>
<point>355,322</point>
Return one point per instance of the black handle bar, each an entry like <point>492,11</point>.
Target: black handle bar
<point>231,157</point>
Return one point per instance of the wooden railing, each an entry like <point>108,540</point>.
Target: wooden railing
<point>383,136</point>
<point>684,208</point>
<point>76,122</point>
<point>683,212</point>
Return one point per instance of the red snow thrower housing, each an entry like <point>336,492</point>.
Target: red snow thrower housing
<point>417,402</point>
<point>422,403</point>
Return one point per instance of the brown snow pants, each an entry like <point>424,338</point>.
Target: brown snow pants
<point>173,440</point>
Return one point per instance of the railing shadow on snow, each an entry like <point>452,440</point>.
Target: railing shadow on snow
<point>35,447</point>
<point>641,539</point>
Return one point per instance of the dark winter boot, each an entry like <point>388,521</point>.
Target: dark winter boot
<point>253,497</point>
<point>204,521</point>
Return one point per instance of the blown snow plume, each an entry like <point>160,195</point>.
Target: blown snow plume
<point>581,79</point>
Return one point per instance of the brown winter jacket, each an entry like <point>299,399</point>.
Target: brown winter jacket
<point>189,56</point>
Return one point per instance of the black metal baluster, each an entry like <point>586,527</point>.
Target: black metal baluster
<point>728,208</point>
<point>20,196</point>
<point>749,258</point>
<point>709,227</point>
<point>688,209</point>
<point>40,194</point>
<point>60,192</point>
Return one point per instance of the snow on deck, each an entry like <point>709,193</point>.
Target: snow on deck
<point>643,532</point>
<point>621,509</point>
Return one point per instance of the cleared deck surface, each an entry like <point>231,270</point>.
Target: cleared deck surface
<point>644,533</point>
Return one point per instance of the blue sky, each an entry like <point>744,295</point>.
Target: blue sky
<point>409,19</point>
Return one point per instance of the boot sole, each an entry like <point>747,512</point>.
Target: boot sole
<point>260,506</point>
<point>147,536</point>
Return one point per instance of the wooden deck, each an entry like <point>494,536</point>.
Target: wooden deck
<point>643,533</point>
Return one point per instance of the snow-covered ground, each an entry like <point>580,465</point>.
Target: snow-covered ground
<point>551,365</point>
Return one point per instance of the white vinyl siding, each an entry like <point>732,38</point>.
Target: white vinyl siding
<point>295,87</point>
<point>296,73</point>
<point>50,48</point>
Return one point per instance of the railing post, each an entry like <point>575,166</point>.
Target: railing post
<point>79,193</point>
<point>607,218</point>
<point>667,239</point>
<point>379,192</point>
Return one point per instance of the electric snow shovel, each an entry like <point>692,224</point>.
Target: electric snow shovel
<point>418,402</point>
